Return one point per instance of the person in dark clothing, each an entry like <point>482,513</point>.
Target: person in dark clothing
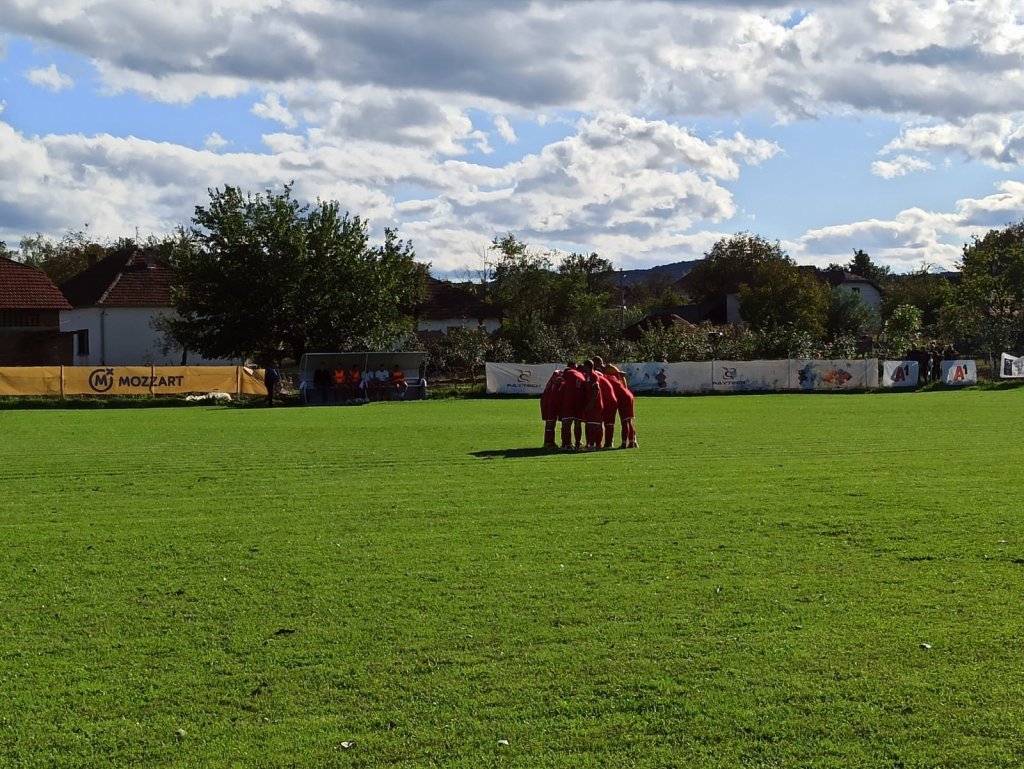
<point>271,376</point>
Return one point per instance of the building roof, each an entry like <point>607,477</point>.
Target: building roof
<point>443,300</point>
<point>27,288</point>
<point>127,278</point>
<point>840,277</point>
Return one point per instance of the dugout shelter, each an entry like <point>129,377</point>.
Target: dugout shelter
<point>411,364</point>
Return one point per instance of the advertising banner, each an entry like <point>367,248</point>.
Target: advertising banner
<point>900,373</point>
<point>516,379</point>
<point>832,375</point>
<point>130,380</point>
<point>750,375</point>
<point>704,376</point>
<point>1011,367</point>
<point>667,377</point>
<point>30,380</point>
<point>957,373</point>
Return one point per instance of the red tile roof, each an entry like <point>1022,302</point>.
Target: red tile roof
<point>445,301</point>
<point>26,288</point>
<point>126,278</point>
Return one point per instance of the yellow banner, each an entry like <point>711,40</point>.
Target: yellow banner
<point>30,380</point>
<point>130,380</point>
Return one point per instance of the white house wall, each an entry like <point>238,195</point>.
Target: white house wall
<point>490,325</point>
<point>124,336</point>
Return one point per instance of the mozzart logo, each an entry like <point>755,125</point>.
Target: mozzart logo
<point>101,380</point>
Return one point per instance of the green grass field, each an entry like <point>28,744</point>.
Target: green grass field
<point>770,581</point>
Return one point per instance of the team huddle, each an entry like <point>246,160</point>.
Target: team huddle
<point>589,395</point>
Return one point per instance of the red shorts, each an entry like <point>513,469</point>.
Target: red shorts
<point>608,415</point>
<point>549,407</point>
<point>625,408</point>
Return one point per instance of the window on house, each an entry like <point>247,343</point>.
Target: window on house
<point>855,289</point>
<point>82,340</point>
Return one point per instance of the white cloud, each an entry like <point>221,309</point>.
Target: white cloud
<point>271,108</point>
<point>215,142</point>
<point>505,129</point>
<point>899,166</point>
<point>50,78</point>
<point>996,140</point>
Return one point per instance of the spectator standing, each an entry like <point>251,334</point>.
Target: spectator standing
<point>271,377</point>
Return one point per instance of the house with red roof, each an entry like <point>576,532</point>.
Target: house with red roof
<point>30,308</point>
<point>448,307</point>
<point>114,308</point>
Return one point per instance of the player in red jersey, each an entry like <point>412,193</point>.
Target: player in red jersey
<point>550,402</point>
<point>593,406</point>
<point>570,410</point>
<point>625,408</point>
<point>611,405</point>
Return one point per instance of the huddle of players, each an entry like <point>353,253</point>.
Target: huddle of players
<point>589,395</point>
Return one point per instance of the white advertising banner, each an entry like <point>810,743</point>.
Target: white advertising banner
<point>1011,367</point>
<point>749,375</point>
<point>959,372</point>
<point>703,376</point>
<point>668,377</point>
<point>831,375</point>
<point>900,373</point>
<point>516,379</point>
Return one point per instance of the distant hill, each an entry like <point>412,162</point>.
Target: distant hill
<point>673,272</point>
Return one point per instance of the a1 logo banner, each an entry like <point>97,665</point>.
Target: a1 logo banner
<point>899,373</point>
<point>959,372</point>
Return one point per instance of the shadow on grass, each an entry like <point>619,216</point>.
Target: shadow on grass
<point>512,453</point>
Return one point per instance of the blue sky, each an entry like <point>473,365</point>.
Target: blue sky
<point>641,130</point>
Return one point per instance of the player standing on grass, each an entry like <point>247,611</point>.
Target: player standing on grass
<point>624,399</point>
<point>593,405</point>
<point>550,402</point>
<point>570,409</point>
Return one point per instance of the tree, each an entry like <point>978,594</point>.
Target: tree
<point>988,304</point>
<point>523,286</point>
<point>261,275</point>
<point>862,265</point>
<point>730,263</point>
<point>924,289</point>
<point>781,295</point>
<point>848,316</point>
<point>903,329</point>
<point>64,259</point>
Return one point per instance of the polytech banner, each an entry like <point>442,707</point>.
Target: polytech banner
<point>705,376</point>
<point>959,372</point>
<point>899,373</point>
<point>1011,367</point>
<point>130,380</point>
<point>512,379</point>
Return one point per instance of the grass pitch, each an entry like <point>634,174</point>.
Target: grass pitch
<point>769,581</point>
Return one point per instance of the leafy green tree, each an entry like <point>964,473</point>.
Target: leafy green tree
<point>730,263</point>
<point>261,274</point>
<point>862,265</point>
<point>61,260</point>
<point>926,290</point>
<point>903,329</point>
<point>781,295</point>
<point>848,316</point>
<point>987,307</point>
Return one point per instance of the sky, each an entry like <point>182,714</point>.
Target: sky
<point>643,131</point>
